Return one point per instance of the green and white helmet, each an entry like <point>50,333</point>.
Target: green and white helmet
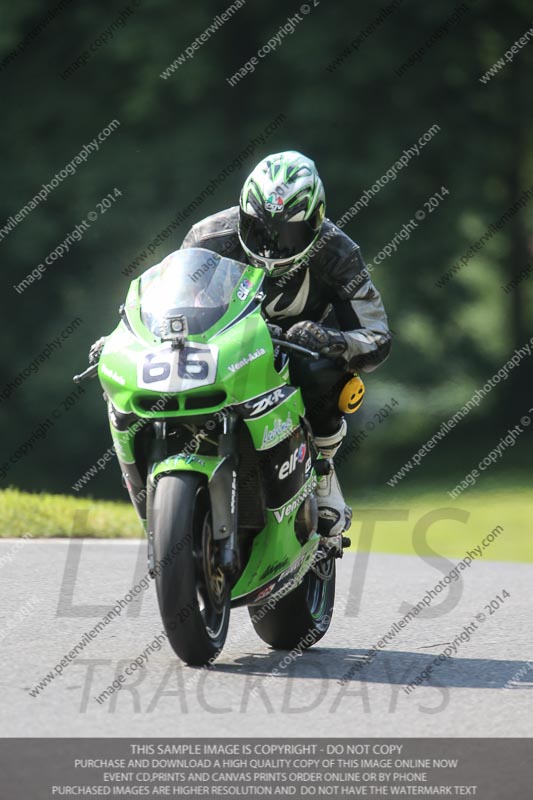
<point>282,208</point>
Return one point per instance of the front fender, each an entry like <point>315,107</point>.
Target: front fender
<point>221,478</point>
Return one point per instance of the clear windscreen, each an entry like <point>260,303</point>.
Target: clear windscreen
<point>194,283</point>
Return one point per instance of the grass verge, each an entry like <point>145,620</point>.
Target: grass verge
<point>51,515</point>
<point>427,517</point>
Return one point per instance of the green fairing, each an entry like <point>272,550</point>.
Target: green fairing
<point>124,349</point>
<point>244,369</point>
<point>276,544</point>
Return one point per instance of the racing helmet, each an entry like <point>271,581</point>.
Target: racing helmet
<point>281,210</point>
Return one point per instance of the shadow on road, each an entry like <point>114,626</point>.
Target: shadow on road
<point>388,667</point>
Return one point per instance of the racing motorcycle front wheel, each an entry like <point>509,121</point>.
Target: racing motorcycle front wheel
<point>192,591</point>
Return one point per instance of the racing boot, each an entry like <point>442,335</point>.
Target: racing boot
<point>334,516</point>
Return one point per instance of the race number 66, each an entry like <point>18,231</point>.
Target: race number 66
<point>177,370</point>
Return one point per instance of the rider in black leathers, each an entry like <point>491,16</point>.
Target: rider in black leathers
<point>314,271</point>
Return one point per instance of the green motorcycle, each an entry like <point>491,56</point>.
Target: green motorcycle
<point>217,456</point>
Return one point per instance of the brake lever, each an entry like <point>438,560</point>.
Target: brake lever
<point>90,372</point>
<point>296,347</point>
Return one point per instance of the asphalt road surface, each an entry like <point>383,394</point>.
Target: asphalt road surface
<point>52,592</point>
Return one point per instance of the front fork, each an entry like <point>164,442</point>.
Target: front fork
<point>221,474</point>
<point>158,453</point>
<point>224,498</point>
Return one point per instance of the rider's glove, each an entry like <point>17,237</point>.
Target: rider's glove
<point>96,350</point>
<point>327,341</point>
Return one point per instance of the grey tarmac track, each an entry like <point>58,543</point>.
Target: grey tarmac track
<point>484,690</point>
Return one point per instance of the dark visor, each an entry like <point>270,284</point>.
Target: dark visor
<point>273,238</point>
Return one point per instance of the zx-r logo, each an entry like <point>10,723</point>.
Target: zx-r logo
<point>264,403</point>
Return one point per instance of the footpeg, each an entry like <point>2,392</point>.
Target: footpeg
<point>332,545</point>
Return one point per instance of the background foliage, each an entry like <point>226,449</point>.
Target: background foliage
<point>175,135</point>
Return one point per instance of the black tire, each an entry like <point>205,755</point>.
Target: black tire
<point>193,595</point>
<point>301,618</point>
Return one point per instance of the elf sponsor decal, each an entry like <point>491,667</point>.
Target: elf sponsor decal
<point>288,467</point>
<point>247,359</point>
<point>244,289</point>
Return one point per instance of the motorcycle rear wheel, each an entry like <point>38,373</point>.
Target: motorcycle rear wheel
<point>192,591</point>
<point>301,618</point>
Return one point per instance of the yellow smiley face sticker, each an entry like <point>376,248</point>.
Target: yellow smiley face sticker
<point>352,395</point>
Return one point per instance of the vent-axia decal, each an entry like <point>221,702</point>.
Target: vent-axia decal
<point>290,507</point>
<point>247,359</point>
